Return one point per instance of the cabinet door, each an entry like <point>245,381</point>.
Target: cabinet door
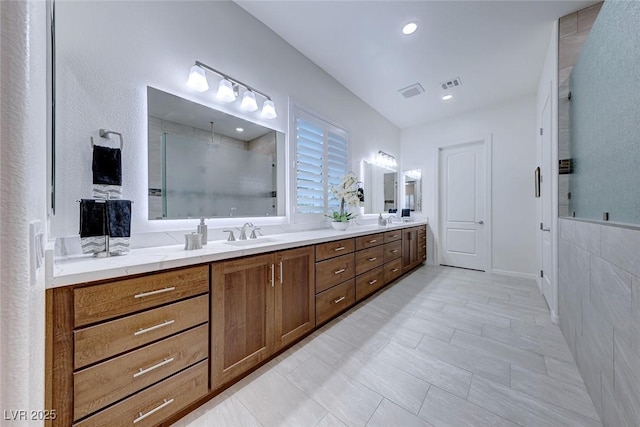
<point>409,248</point>
<point>242,316</point>
<point>294,295</point>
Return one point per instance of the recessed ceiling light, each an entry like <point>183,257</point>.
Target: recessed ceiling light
<point>447,97</point>
<point>410,28</point>
<point>239,130</point>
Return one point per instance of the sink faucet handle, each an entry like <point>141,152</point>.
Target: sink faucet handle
<point>253,233</point>
<point>231,237</point>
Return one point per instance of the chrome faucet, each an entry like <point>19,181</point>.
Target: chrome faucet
<point>243,231</point>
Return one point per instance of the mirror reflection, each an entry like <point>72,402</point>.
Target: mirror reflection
<point>380,188</point>
<point>413,190</point>
<point>206,163</point>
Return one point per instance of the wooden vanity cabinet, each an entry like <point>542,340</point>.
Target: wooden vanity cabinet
<point>133,350</point>
<point>259,304</point>
<point>414,244</point>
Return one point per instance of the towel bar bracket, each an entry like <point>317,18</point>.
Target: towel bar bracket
<point>104,133</point>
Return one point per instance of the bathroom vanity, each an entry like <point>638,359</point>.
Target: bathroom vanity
<point>145,338</point>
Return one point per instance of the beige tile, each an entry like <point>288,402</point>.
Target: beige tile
<point>443,409</point>
<point>587,16</point>
<point>568,25</point>
<point>569,49</point>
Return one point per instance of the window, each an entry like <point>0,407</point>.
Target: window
<point>322,157</point>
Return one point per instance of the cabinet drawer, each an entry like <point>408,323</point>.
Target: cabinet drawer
<point>334,249</point>
<point>335,300</point>
<point>153,405</point>
<point>105,383</point>
<point>392,270</point>
<point>108,339</point>
<point>369,241</point>
<point>333,271</point>
<point>392,250</point>
<point>368,259</point>
<point>369,282</point>
<point>100,302</point>
<point>392,236</point>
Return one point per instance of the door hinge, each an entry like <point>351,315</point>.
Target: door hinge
<point>541,131</point>
<point>541,226</point>
<point>541,273</point>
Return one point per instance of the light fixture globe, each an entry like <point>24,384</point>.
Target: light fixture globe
<point>197,79</point>
<point>249,101</point>
<point>225,91</point>
<point>269,110</point>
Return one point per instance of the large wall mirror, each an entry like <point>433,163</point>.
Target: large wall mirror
<point>380,188</point>
<point>206,163</point>
<point>413,190</point>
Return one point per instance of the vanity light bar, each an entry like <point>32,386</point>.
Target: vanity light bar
<point>227,89</point>
<point>385,160</point>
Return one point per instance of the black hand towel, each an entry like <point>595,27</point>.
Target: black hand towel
<point>107,165</point>
<point>119,218</point>
<point>92,218</point>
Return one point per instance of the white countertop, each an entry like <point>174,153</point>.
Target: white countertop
<point>86,268</point>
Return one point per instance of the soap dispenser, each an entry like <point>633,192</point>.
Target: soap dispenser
<point>202,231</point>
<point>380,219</point>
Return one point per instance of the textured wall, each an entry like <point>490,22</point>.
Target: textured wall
<point>23,195</point>
<point>600,314</point>
<point>103,76</point>
<point>605,118</point>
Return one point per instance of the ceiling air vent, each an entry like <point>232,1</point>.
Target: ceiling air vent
<point>451,83</point>
<point>411,91</point>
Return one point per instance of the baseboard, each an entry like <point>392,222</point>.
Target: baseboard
<point>515,274</point>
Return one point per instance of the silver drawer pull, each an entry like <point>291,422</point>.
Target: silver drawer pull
<point>153,328</point>
<point>424,246</point>
<point>341,248</point>
<point>336,301</point>
<point>394,270</point>
<point>394,251</point>
<point>342,270</point>
<point>395,235</point>
<point>142,416</point>
<point>373,281</point>
<point>373,259</point>
<point>151,368</point>
<point>373,241</point>
<point>156,292</point>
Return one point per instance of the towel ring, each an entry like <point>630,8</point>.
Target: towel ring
<point>105,134</point>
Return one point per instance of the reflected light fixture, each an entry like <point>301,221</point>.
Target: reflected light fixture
<point>249,101</point>
<point>228,89</point>
<point>239,130</point>
<point>414,173</point>
<point>410,28</point>
<point>447,97</point>
<point>385,160</point>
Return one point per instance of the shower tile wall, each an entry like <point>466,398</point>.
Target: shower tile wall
<point>573,30</point>
<point>599,309</point>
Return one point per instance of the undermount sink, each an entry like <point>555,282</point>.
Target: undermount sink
<point>251,242</point>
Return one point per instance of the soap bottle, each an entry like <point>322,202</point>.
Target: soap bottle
<point>202,231</point>
<point>380,219</point>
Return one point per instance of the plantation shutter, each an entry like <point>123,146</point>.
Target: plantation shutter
<point>322,155</point>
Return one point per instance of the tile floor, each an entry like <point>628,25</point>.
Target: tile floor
<point>441,347</point>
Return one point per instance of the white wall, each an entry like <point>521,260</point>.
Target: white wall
<point>512,126</point>
<point>23,194</point>
<point>108,52</point>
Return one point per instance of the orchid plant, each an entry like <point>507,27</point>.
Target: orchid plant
<point>346,192</point>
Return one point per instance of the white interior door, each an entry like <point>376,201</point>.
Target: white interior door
<point>463,206</point>
<point>546,247</point>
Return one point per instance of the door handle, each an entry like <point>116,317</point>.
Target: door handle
<point>481,222</point>
<point>546,229</point>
